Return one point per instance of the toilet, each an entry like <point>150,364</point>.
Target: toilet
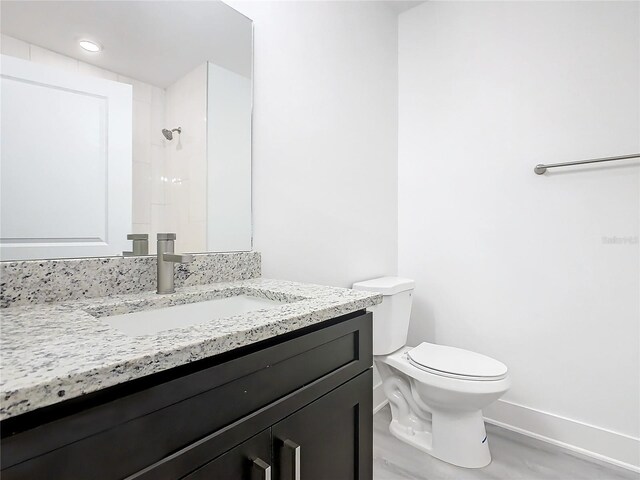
<point>436,392</point>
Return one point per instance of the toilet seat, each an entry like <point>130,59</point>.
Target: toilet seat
<point>455,362</point>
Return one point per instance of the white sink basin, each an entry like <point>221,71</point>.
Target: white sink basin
<point>153,321</point>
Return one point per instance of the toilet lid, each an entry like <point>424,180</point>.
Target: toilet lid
<point>451,361</point>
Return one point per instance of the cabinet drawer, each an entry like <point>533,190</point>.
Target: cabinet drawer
<point>124,435</point>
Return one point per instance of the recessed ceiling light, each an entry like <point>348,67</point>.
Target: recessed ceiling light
<point>90,46</point>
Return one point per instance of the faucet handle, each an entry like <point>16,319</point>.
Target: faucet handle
<point>177,258</point>
<point>166,236</point>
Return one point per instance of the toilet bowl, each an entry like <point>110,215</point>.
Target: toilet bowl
<point>436,392</point>
<point>440,413</point>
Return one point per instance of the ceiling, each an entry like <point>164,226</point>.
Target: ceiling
<point>400,6</point>
<point>156,42</point>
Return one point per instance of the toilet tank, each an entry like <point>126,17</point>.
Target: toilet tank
<point>391,317</point>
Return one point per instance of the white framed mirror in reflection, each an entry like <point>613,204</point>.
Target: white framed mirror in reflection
<point>124,117</point>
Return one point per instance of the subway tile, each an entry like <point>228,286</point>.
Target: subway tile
<point>157,124</point>
<point>158,175</point>
<point>140,228</point>
<point>141,90</point>
<point>141,192</point>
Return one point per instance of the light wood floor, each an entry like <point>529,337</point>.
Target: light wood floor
<point>515,457</point>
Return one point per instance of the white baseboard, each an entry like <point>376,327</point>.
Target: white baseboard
<point>586,440</point>
<point>379,398</point>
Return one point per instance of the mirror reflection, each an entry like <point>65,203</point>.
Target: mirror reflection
<point>121,119</point>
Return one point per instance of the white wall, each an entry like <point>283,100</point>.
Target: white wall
<point>508,263</point>
<point>325,139</point>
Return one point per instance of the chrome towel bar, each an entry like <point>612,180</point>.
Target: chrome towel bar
<point>541,168</point>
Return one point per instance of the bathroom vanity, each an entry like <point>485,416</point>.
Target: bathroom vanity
<point>230,377</point>
<point>282,392</point>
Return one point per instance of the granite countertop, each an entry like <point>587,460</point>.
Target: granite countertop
<point>53,352</point>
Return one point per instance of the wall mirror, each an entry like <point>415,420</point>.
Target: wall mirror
<point>124,117</point>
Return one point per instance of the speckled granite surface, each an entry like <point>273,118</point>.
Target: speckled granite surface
<point>46,281</point>
<point>53,352</point>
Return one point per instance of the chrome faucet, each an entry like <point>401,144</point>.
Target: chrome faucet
<point>166,259</point>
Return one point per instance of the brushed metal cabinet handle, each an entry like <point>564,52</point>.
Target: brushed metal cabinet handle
<point>290,460</point>
<point>261,470</point>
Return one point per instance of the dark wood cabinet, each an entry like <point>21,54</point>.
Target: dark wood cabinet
<point>297,402</point>
<point>326,440</point>
<point>329,439</point>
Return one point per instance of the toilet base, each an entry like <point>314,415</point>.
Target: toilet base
<point>460,438</point>
<point>439,415</point>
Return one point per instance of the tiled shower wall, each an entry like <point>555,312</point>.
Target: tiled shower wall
<point>186,161</point>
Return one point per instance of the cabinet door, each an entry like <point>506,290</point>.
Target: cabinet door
<point>251,460</point>
<point>329,439</point>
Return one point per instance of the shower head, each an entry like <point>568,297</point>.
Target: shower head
<point>168,134</point>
